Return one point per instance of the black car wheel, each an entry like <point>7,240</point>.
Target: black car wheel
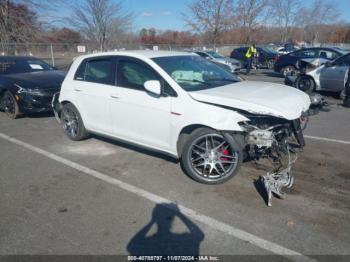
<point>210,157</point>
<point>342,94</point>
<point>72,123</point>
<point>9,105</point>
<point>305,84</point>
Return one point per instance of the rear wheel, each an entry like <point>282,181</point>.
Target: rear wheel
<point>9,105</point>
<point>305,84</point>
<point>72,123</point>
<point>210,157</point>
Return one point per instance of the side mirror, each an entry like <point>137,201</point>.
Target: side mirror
<point>153,86</point>
<point>328,64</point>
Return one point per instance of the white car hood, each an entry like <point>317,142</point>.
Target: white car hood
<point>258,98</point>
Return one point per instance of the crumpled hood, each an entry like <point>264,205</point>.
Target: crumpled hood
<point>258,98</point>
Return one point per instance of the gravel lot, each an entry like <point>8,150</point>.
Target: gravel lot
<point>104,197</point>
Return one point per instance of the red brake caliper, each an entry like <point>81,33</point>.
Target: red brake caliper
<point>224,152</point>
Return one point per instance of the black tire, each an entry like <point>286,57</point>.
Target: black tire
<point>214,164</point>
<point>285,70</point>
<point>9,105</point>
<point>342,94</point>
<point>72,123</point>
<point>305,84</point>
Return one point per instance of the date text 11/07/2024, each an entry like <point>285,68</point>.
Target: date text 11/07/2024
<point>173,258</point>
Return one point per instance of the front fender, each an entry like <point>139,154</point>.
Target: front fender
<point>205,115</point>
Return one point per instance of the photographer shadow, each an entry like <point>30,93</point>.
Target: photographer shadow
<point>164,241</point>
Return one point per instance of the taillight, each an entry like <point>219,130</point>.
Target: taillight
<point>277,57</point>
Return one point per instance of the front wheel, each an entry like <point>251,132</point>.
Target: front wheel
<point>9,105</point>
<point>210,157</point>
<point>72,123</point>
<point>305,84</point>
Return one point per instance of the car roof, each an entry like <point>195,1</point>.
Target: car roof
<point>140,54</point>
<point>17,57</point>
<point>319,48</point>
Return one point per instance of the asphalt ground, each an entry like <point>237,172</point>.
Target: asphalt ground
<point>102,197</point>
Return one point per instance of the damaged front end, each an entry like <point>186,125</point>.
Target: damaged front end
<point>277,140</point>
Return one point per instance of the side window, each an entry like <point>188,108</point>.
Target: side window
<point>98,71</point>
<point>305,53</point>
<point>79,74</point>
<point>343,61</point>
<point>326,54</point>
<point>133,74</point>
<point>308,53</point>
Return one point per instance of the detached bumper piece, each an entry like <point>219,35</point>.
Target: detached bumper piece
<point>274,183</point>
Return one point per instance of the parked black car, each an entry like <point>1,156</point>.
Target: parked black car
<point>266,56</point>
<point>27,85</point>
<point>288,62</point>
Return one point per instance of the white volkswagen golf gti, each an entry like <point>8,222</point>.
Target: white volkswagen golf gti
<point>183,105</point>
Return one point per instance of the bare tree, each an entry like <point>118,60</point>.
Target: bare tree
<point>17,22</point>
<point>100,21</point>
<point>283,14</point>
<point>250,14</point>
<point>312,18</point>
<point>210,16</point>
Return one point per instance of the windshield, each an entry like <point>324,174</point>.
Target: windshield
<point>194,73</point>
<point>214,54</point>
<point>268,50</point>
<point>17,66</point>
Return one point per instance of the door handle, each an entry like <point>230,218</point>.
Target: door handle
<point>114,96</point>
<point>77,89</point>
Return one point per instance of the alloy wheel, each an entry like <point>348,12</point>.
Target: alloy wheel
<point>212,157</point>
<point>70,122</point>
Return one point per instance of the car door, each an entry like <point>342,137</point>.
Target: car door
<point>138,115</point>
<point>332,77</point>
<point>93,86</point>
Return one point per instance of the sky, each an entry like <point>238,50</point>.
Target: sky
<point>166,14</point>
<point>160,14</point>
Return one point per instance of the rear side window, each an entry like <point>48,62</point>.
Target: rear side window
<point>96,71</point>
<point>133,74</point>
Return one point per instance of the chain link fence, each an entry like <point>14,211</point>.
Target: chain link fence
<point>61,55</point>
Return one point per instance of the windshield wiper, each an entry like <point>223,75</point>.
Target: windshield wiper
<point>221,79</point>
<point>193,80</point>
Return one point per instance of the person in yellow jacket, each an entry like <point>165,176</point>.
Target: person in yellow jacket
<point>251,52</point>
